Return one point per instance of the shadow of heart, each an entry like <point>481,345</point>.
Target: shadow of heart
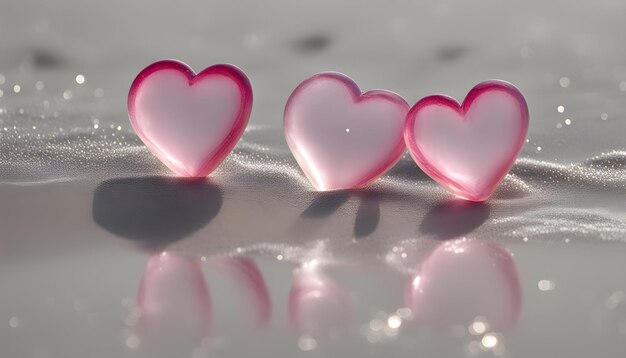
<point>454,218</point>
<point>155,210</point>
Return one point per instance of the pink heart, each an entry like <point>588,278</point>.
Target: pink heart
<point>469,148</point>
<point>341,138</point>
<point>190,122</point>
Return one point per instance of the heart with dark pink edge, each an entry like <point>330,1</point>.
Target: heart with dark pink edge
<point>340,137</point>
<point>190,122</point>
<point>469,148</point>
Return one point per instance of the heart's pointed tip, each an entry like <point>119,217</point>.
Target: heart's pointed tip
<point>191,175</point>
<point>473,198</point>
<point>324,188</point>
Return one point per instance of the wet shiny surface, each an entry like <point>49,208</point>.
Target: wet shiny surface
<point>256,262</point>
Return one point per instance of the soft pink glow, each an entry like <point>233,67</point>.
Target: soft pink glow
<point>465,279</point>
<point>173,293</point>
<point>469,148</point>
<point>190,122</point>
<point>341,138</point>
<point>317,304</point>
<point>252,287</point>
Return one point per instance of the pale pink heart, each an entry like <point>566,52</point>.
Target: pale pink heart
<point>190,122</point>
<point>469,148</point>
<point>464,279</point>
<point>340,137</point>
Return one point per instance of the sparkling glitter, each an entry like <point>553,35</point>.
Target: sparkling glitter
<point>95,126</point>
<point>347,130</point>
<point>17,88</point>
<point>478,327</point>
<point>560,109</point>
<point>489,341</point>
<point>307,343</point>
<point>539,149</point>
<point>568,122</point>
<point>67,94</point>
<point>119,128</point>
<point>622,86</point>
<point>545,285</point>
<point>39,85</point>
<point>564,82</point>
<point>80,79</point>
<point>604,116</point>
<point>394,321</point>
<point>279,257</point>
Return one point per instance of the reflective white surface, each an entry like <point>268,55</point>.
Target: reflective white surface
<point>71,167</point>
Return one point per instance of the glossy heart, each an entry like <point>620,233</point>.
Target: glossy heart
<point>469,148</point>
<point>340,137</point>
<point>190,122</point>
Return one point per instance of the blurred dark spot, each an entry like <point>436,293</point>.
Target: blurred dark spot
<point>155,210</point>
<point>367,216</point>
<point>44,59</point>
<point>325,204</point>
<point>454,218</point>
<point>311,43</point>
<point>450,53</point>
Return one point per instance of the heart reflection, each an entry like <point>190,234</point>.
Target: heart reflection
<point>251,285</point>
<point>465,280</point>
<point>173,296</point>
<point>174,301</point>
<point>317,305</point>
